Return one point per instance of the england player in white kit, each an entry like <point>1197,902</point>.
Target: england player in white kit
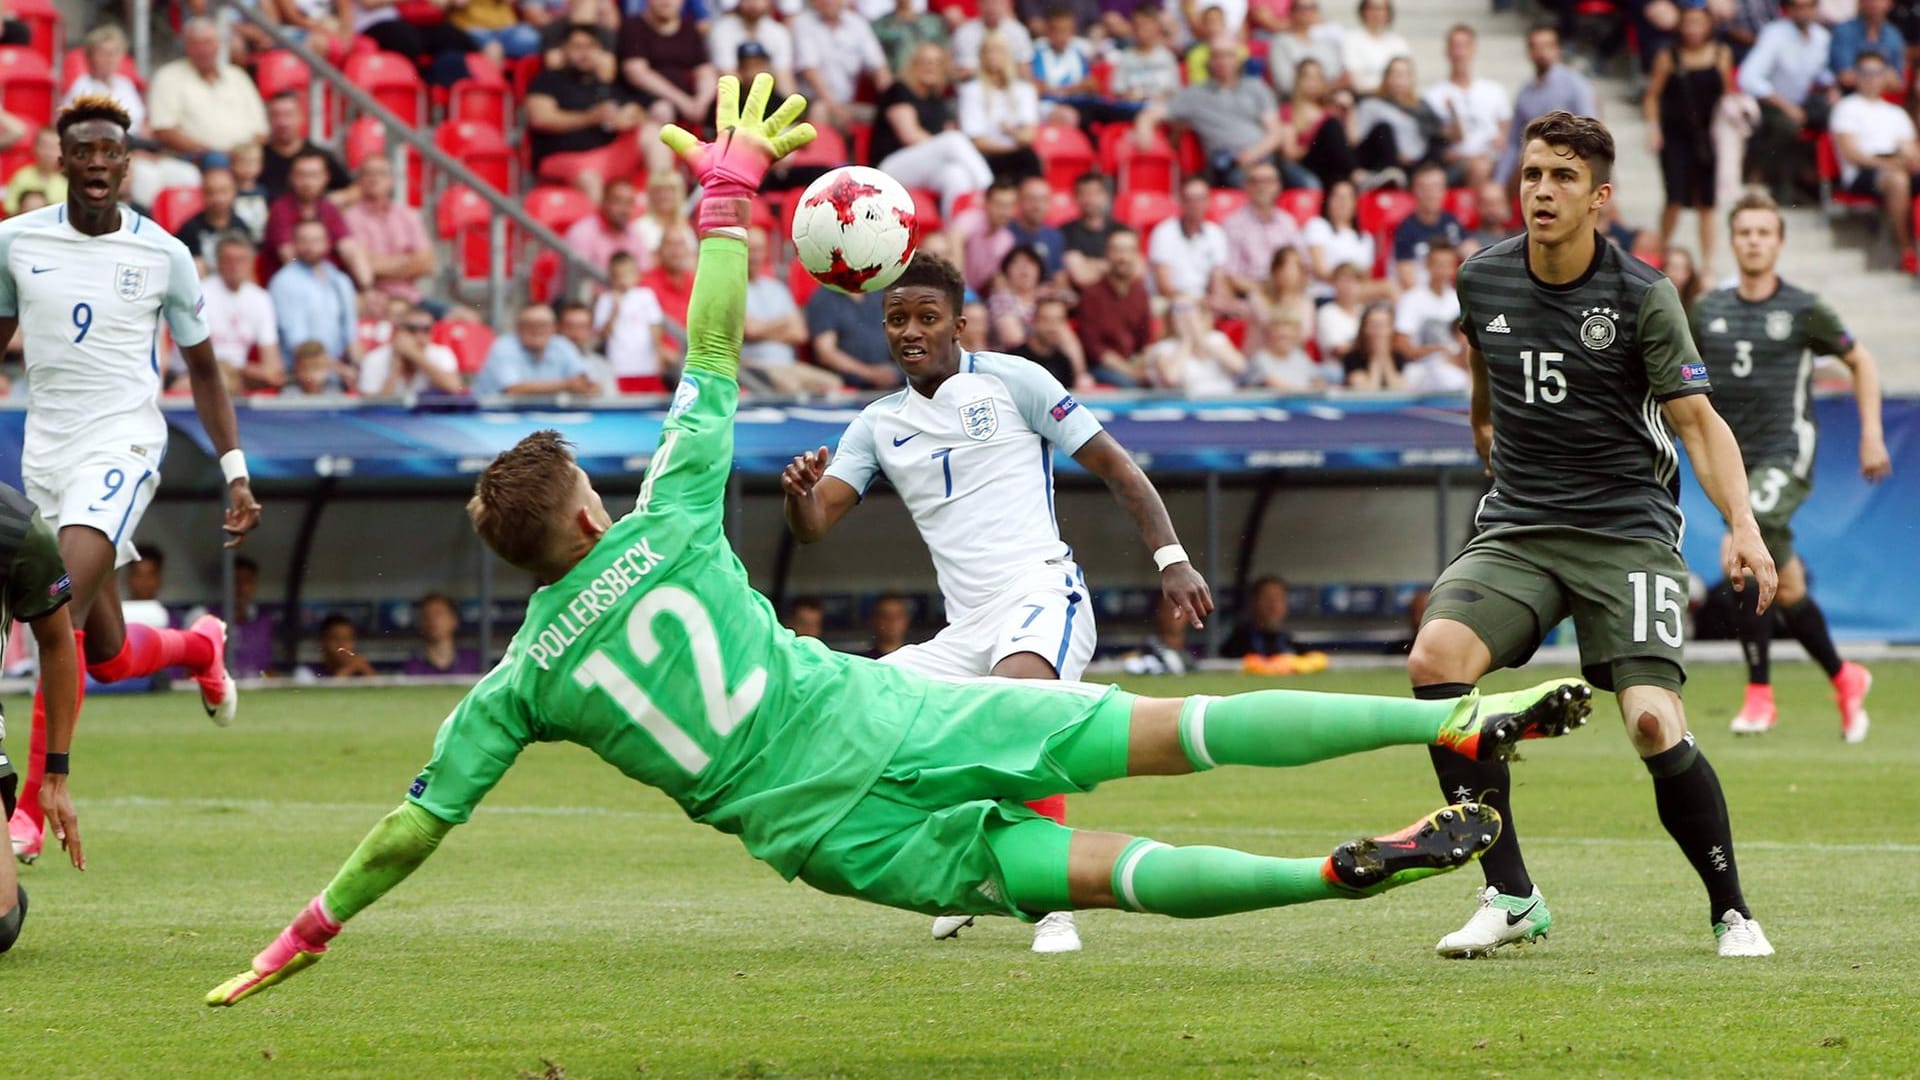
<point>969,446</point>
<point>90,283</point>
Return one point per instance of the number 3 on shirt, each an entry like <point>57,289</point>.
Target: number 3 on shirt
<point>723,711</point>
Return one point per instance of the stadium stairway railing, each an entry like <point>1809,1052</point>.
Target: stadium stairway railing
<point>509,223</point>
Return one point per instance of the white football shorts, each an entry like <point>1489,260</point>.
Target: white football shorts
<point>104,489</point>
<point>1048,613</point>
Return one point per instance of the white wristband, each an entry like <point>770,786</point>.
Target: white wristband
<point>233,465</point>
<point>1171,555</point>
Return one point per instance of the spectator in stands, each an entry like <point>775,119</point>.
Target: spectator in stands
<point>437,620</point>
<point>1087,234</point>
<point>1787,74</point>
<point>614,229</point>
<point>775,330</point>
<point>33,199</point>
<point>1017,291</point>
<point>1053,344</point>
<point>585,126</point>
<point>146,576</point>
<point>848,339</point>
<point>1677,264</point>
<point>304,201</point>
<point>313,300</point>
<point>1063,69</point>
<point>1258,230</point>
<point>1308,37</point>
<point>1394,131</point>
<point>996,20</point>
<point>250,202</point>
<point>250,630</point>
<point>1211,33</point>
<point>973,338</point>
<point>286,140</point>
<point>496,27</point>
<point>1373,362</point>
<point>1188,252</point>
<point>1315,151</point>
<point>986,234</point>
<point>889,620</point>
<point>1683,94</point>
<point>1425,325</point>
<point>1264,631</point>
<point>628,318</point>
<point>1285,289</point>
<point>241,317</point>
<point>1475,112</point>
<point>1279,363</point>
<point>340,650</point>
<point>1337,322</point>
<point>752,21</point>
<point>834,49</point>
<point>1429,225</point>
<point>1116,319</point>
<point>106,50</point>
<point>391,236</point>
<point>317,24</point>
<point>671,279</point>
<point>1195,359</point>
<point>1166,651</point>
<point>200,108</point>
<point>1365,52</point>
<point>439,42</point>
<point>41,174</point>
<point>666,212</point>
<point>562,15</point>
<point>1878,152</point>
<point>202,232</point>
<point>1236,118</point>
<point>1146,72</point>
<point>664,56</point>
<point>1868,33</point>
<point>573,320</point>
<point>412,363</point>
<point>1494,204</point>
<point>904,29</point>
<point>915,140</point>
<point>1000,111</point>
<point>1554,86</point>
<point>807,617</point>
<point>1030,228</point>
<point>315,374</point>
<point>1334,238</point>
<point>533,360</point>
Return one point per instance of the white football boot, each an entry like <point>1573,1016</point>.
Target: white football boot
<point>946,927</point>
<point>1056,933</point>
<point>1502,920</point>
<point>1741,936</point>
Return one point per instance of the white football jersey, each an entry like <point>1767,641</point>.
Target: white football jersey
<point>90,310</point>
<point>974,464</point>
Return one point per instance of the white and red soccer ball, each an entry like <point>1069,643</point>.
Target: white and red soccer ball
<point>854,230</point>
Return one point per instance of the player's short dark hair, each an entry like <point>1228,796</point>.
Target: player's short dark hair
<point>933,272</point>
<point>520,498</point>
<point>88,107</point>
<point>1583,136</point>
<point>1757,199</point>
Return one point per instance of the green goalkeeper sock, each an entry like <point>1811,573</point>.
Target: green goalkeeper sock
<point>1201,882</point>
<point>1279,728</point>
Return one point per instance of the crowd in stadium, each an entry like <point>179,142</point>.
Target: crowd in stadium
<point>1194,198</point>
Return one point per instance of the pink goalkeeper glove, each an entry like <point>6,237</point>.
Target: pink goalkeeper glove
<point>731,167</point>
<point>298,947</point>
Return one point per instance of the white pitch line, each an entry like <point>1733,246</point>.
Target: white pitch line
<point>269,806</point>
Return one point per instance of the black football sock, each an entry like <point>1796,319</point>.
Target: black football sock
<point>1484,782</point>
<point>1692,807</point>
<point>1756,636</point>
<point>1808,623</point>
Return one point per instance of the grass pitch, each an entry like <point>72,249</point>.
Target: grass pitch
<point>580,927</point>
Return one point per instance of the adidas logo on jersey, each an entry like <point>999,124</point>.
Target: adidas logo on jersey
<point>1499,325</point>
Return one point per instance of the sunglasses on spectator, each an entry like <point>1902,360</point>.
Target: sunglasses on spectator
<point>417,327</point>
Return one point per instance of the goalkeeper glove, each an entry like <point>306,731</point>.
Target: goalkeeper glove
<point>746,143</point>
<point>298,947</point>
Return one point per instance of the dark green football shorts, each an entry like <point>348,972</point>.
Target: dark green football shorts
<point>1627,596</point>
<point>1776,494</point>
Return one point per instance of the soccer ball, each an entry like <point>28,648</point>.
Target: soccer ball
<point>854,229</point>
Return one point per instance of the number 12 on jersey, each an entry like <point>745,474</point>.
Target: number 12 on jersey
<point>1542,380</point>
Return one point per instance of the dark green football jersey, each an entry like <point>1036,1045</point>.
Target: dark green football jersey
<point>33,580</point>
<point>1763,353</point>
<point>1577,374</point>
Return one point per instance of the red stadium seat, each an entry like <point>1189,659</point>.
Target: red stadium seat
<point>800,283</point>
<point>1136,168</point>
<point>466,219</point>
<point>828,150</point>
<point>1102,72</point>
<point>393,81</point>
<point>543,281</point>
<point>45,34</point>
<point>557,206</point>
<point>1064,153</point>
<point>279,71</point>
<point>862,145</point>
<point>484,95</point>
<point>1223,202</point>
<point>480,148</point>
<point>1193,156</point>
<point>1062,208</point>
<point>26,85</point>
<point>468,340</point>
<point>967,201</point>
<point>521,73</point>
<point>173,206</point>
<point>926,212</point>
<point>75,65</point>
<point>1301,204</point>
<point>365,138</point>
<point>1382,210</point>
<point>1142,210</point>
<point>1464,207</point>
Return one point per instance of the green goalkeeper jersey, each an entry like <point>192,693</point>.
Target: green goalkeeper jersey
<point>656,654</point>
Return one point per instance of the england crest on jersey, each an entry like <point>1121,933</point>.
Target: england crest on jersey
<point>979,419</point>
<point>130,282</point>
<point>1779,325</point>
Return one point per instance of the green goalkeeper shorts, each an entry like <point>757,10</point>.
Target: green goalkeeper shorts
<point>979,748</point>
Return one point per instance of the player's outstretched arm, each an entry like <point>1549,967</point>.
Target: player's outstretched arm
<point>1180,583</point>
<point>1723,476</point>
<point>1875,464</point>
<point>813,501</point>
<point>215,407</point>
<point>395,848</point>
<point>60,683</point>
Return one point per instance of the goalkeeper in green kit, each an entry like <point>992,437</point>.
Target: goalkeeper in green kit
<point>649,648</point>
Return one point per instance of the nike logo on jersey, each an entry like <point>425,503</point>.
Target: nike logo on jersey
<point>1515,919</point>
<point>902,442</point>
<point>44,269</point>
<point>1499,325</point>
